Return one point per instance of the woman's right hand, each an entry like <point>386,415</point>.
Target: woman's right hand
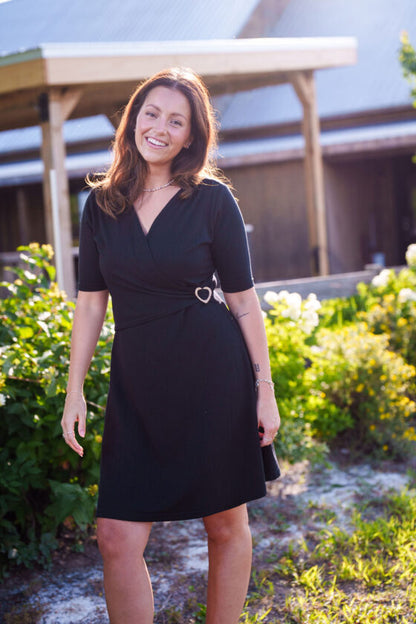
<point>75,411</point>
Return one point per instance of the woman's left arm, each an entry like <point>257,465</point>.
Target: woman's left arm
<point>245,307</point>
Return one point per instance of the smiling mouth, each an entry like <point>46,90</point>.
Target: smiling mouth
<point>155,142</point>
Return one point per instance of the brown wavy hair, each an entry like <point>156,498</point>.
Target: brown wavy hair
<point>119,186</point>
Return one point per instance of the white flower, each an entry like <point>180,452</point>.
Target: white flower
<point>411,255</point>
<point>2,400</point>
<point>309,320</point>
<point>407,294</point>
<point>312,303</point>
<point>383,278</point>
<point>294,303</point>
<point>282,295</point>
<point>307,327</point>
<point>311,316</point>
<point>315,349</point>
<point>271,297</point>
<point>294,300</point>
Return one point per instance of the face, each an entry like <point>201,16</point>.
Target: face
<point>163,126</point>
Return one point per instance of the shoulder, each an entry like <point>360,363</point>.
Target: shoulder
<point>214,186</point>
<point>218,204</point>
<point>217,195</point>
<point>92,213</point>
<point>90,207</point>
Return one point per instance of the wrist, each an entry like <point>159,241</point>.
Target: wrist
<point>75,393</point>
<point>262,384</point>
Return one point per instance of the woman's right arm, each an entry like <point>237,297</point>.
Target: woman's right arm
<point>88,321</point>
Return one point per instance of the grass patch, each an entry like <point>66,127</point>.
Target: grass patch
<point>365,576</point>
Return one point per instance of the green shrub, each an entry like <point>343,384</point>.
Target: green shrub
<point>289,324</point>
<point>42,482</point>
<point>387,304</point>
<point>336,313</point>
<point>361,394</point>
<point>339,385</point>
<point>390,308</point>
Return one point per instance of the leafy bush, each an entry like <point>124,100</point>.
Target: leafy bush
<point>347,383</point>
<point>289,322</point>
<point>42,482</point>
<point>389,306</point>
<point>361,394</point>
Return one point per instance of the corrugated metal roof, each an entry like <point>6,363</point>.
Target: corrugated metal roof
<point>27,23</point>
<point>376,82</point>
<point>78,165</point>
<point>295,143</point>
<point>75,130</point>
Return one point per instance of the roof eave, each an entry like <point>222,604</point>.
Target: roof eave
<point>66,64</point>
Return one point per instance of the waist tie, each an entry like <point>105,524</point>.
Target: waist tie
<point>144,305</point>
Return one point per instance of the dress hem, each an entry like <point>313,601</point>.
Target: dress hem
<point>171,516</point>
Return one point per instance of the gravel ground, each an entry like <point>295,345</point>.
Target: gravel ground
<point>71,592</point>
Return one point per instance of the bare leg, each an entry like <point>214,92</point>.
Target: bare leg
<point>229,550</point>
<point>128,590</point>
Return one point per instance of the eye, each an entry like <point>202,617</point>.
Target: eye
<point>177,122</point>
<point>150,114</point>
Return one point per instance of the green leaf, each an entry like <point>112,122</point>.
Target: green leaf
<point>25,332</point>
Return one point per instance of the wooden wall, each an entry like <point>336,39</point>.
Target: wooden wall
<point>364,197</point>
<point>21,216</point>
<point>272,199</point>
<point>361,214</point>
<point>367,201</point>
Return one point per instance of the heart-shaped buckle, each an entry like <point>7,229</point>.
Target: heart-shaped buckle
<point>198,296</point>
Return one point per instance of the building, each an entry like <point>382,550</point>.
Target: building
<point>367,121</point>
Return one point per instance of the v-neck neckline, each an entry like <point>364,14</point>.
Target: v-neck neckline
<point>139,223</point>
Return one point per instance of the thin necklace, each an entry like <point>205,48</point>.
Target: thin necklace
<point>158,188</point>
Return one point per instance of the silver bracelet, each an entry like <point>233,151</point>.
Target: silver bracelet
<point>268,381</point>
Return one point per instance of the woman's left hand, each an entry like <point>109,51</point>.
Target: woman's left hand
<point>268,417</point>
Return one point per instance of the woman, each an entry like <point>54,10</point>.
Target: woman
<point>190,379</point>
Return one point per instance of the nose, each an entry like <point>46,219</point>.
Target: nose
<point>161,124</point>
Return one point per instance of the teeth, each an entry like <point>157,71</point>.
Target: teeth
<point>156,142</point>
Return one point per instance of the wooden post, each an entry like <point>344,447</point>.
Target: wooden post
<point>56,106</point>
<point>304,85</point>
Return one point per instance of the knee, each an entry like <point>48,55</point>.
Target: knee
<point>117,540</point>
<point>223,530</point>
<point>109,542</point>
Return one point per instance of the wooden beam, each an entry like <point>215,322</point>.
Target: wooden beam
<point>69,99</point>
<point>19,75</point>
<point>102,63</point>
<point>304,85</point>
<point>109,72</point>
<point>55,106</point>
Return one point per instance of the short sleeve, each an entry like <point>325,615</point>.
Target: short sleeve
<point>230,247</point>
<point>90,277</point>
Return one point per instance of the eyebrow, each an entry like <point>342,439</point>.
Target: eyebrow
<point>174,114</point>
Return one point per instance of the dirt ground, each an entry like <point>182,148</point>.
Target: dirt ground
<point>301,501</point>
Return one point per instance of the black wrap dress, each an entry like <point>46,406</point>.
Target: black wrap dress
<point>180,437</point>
